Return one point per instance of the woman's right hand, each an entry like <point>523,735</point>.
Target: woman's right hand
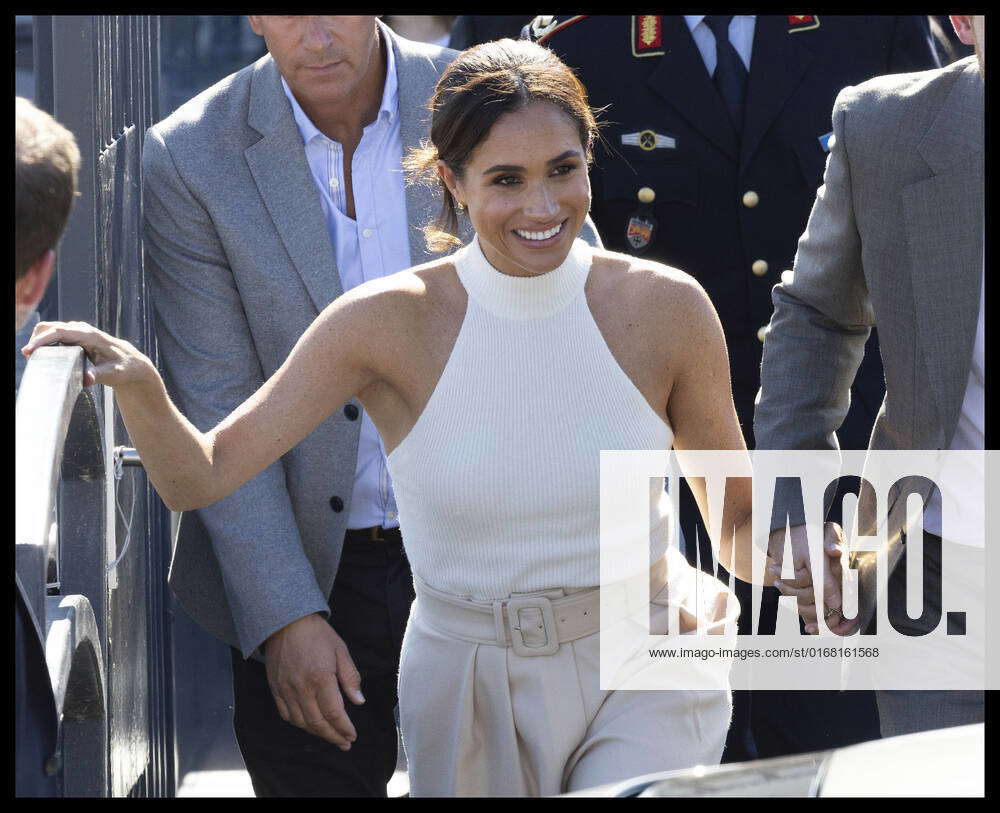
<point>116,362</point>
<point>175,455</point>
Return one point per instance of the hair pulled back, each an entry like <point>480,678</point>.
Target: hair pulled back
<point>481,85</point>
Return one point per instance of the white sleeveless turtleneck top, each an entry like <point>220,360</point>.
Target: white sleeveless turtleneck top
<point>498,482</point>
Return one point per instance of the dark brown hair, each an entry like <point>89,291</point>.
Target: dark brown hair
<point>482,84</point>
<point>46,162</point>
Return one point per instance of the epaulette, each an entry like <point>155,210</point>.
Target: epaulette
<point>545,25</point>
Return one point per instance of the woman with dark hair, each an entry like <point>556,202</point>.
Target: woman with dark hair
<point>511,364</point>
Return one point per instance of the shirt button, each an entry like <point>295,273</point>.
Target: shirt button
<point>761,333</point>
<point>391,515</point>
<point>646,195</point>
<point>351,412</point>
<point>334,183</point>
<point>336,504</point>
<point>750,199</point>
<point>787,277</point>
<point>367,233</point>
<point>759,268</point>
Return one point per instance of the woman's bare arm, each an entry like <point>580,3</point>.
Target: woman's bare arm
<point>330,363</point>
<point>703,416</point>
<point>702,413</point>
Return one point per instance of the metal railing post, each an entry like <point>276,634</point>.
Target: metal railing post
<point>59,446</point>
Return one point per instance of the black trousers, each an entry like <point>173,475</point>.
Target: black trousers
<point>791,722</point>
<point>786,721</point>
<point>369,607</point>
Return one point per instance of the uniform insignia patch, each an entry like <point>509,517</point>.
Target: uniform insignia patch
<point>802,22</point>
<point>640,231</point>
<point>826,141</point>
<point>649,140</point>
<point>545,25</point>
<point>647,35</point>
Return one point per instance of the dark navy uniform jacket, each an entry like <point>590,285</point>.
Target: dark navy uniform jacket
<point>728,212</point>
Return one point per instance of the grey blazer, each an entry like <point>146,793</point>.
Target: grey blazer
<point>895,239</point>
<point>240,264</point>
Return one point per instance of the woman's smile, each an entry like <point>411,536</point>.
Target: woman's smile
<point>526,189</point>
<point>541,238</point>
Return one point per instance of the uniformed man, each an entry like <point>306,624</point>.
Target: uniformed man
<point>717,136</point>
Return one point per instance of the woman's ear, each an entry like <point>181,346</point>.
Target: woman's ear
<point>450,181</point>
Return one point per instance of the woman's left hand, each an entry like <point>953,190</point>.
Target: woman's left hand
<point>829,572</point>
<point>116,362</point>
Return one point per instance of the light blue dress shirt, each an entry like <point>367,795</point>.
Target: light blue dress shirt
<point>372,245</point>
<point>740,35</point>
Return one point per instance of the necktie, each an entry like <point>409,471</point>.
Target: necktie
<point>730,75</point>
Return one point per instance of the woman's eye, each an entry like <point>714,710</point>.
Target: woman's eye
<point>564,169</point>
<point>506,180</point>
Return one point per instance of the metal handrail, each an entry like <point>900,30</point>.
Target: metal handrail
<point>50,387</point>
<point>58,437</point>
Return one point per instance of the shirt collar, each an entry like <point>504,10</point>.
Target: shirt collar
<point>387,110</point>
<point>693,20</point>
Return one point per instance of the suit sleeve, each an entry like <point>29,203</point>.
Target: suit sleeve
<point>912,45</point>
<point>210,365</point>
<point>822,319</point>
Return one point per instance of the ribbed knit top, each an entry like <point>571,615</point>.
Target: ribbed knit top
<point>498,482</point>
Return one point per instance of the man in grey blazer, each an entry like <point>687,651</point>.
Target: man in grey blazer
<point>895,239</point>
<point>243,219</point>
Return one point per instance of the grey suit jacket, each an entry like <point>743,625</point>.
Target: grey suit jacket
<point>240,264</point>
<point>895,239</point>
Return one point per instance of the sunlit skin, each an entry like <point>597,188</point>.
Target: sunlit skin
<point>30,288</point>
<point>333,65</point>
<point>530,175</point>
<point>971,29</point>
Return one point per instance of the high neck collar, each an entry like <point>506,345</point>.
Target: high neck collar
<point>533,297</point>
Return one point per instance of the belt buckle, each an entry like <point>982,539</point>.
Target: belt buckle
<point>515,608</point>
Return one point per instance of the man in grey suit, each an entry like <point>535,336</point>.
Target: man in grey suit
<point>265,198</point>
<point>895,239</point>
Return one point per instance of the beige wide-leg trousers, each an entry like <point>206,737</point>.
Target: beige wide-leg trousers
<point>494,708</point>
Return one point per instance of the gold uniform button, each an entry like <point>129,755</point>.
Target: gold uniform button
<point>646,195</point>
<point>759,268</point>
<point>750,199</point>
<point>761,333</point>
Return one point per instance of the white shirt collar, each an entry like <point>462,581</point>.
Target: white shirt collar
<point>387,109</point>
<point>693,20</point>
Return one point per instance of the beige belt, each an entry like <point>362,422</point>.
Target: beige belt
<point>531,624</point>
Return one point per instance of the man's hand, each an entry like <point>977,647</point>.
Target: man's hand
<point>310,671</point>
<point>802,585</point>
